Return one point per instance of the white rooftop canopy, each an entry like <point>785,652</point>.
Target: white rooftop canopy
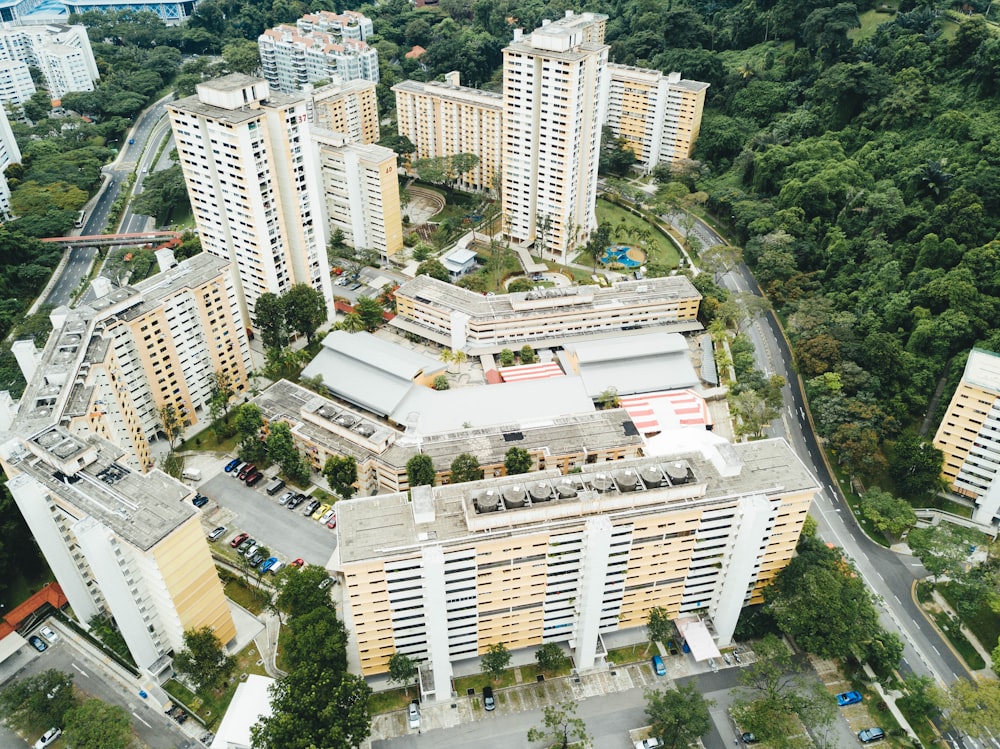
<point>694,632</point>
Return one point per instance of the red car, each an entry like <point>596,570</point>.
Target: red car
<point>297,563</point>
<point>246,471</point>
<point>240,538</point>
<point>332,523</point>
<point>254,477</point>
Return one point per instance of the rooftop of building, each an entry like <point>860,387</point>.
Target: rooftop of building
<point>84,472</point>
<point>448,296</point>
<point>451,92</point>
<point>578,52</point>
<point>191,273</point>
<point>230,84</point>
<point>342,88</point>
<point>983,369</point>
<point>385,525</point>
<point>250,703</point>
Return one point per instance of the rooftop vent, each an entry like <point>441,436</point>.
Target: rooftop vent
<point>601,482</point>
<point>652,476</point>
<point>365,429</point>
<point>627,480</point>
<point>514,496</point>
<point>488,501</point>
<point>678,472</point>
<point>566,489</point>
<point>540,491</point>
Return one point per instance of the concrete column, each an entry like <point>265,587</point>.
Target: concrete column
<point>590,599</point>
<point>739,566</point>
<point>436,622</point>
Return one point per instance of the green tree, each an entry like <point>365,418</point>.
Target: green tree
<point>922,696</point>
<point>341,472</point>
<point>441,383</point>
<point>506,358</point>
<point>658,625</point>
<point>371,312</point>
<point>242,56</point>
<point>249,423</point>
<point>25,703</point>
<point>315,707</point>
<point>944,549</point>
<point>465,467</point>
<point>420,470</point>
<point>608,398</point>
<point>560,726</point>
<point>402,670</point>
<point>551,658</point>
<point>433,268</point>
<point>526,354</point>
<point>280,445</point>
<point>598,243</point>
<point>164,193</point>
<point>915,466</point>
<point>171,423</point>
<point>299,590</point>
<point>617,155</point>
<point>887,513</point>
<point>352,323</point>
<point>974,707</point>
<point>96,725</point>
<point>317,639</point>
<point>679,717</point>
<point>304,309</point>
<point>269,319</point>
<point>204,659</point>
<point>517,460</point>
<point>495,660</point>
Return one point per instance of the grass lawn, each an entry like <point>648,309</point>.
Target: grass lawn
<point>529,675</point>
<point>211,706</point>
<point>632,653</point>
<point>247,596</point>
<point>958,641</point>
<point>660,249</point>
<point>206,441</point>
<point>393,699</point>
<point>985,625</point>
<point>870,21</point>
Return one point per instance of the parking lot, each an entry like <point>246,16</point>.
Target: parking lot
<point>287,533</point>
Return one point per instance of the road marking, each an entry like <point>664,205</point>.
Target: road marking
<point>80,670</point>
<point>140,719</point>
<point>897,599</point>
<point>934,648</point>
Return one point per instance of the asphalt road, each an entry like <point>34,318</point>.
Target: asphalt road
<point>155,729</point>
<point>74,271</point>
<point>285,532</point>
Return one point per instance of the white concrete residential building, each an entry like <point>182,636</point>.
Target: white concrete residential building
<point>61,53</point>
<point>555,87</point>
<point>361,190</point>
<point>255,192</point>
<point>447,571</point>
<point>444,119</point>
<point>9,154</point>
<point>121,544</point>
<point>321,46</point>
<point>658,115</point>
<point>16,85</point>
<point>969,436</point>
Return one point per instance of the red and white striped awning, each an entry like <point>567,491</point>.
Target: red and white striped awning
<point>525,372</point>
<point>670,409</point>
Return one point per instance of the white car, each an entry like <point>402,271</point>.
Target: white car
<point>327,516</point>
<point>413,714</point>
<point>48,634</point>
<point>48,738</point>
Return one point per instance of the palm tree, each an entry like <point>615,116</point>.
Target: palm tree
<point>352,323</point>
<point>459,358</point>
<point>447,356</point>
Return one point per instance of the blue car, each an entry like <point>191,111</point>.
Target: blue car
<point>232,465</point>
<point>848,698</point>
<point>658,666</point>
<point>268,564</point>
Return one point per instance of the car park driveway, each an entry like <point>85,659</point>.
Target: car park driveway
<point>287,533</point>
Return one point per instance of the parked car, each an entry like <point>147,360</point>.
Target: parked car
<point>245,471</point>
<point>48,634</point>
<point>749,738</point>
<point>255,479</point>
<point>246,544</point>
<point>320,511</point>
<point>217,533</point>
<point>284,498</point>
<point>329,515</point>
<point>848,698</point>
<point>651,743</point>
<point>276,567</point>
<point>238,539</point>
<point>256,559</point>
<point>37,644</point>
<point>488,702</point>
<point>413,714</point>
<point>332,522</point>
<point>251,550</point>
<point>298,562</point>
<point>48,738</point>
<point>232,465</point>
<point>658,666</point>
<point>268,564</point>
<point>200,500</point>
<point>869,735</point>
<point>324,584</point>
<point>296,501</point>
<point>311,508</point>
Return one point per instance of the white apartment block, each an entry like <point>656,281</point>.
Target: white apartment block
<point>61,53</point>
<point>555,91</point>
<point>349,108</point>
<point>9,154</point>
<point>120,543</point>
<point>109,366</point>
<point>16,85</point>
<point>444,119</point>
<point>360,188</point>
<point>969,436</point>
<point>442,573</point>
<point>255,192</point>
<point>658,115</point>
<point>320,47</point>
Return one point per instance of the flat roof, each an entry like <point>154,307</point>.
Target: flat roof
<point>642,363</point>
<point>372,528</point>
<point>250,703</point>
<point>426,411</point>
<point>141,508</point>
<point>983,369</point>
<point>451,92</point>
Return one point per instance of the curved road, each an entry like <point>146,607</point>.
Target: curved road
<point>888,574</point>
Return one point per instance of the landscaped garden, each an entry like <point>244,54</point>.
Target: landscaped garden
<point>626,227</point>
